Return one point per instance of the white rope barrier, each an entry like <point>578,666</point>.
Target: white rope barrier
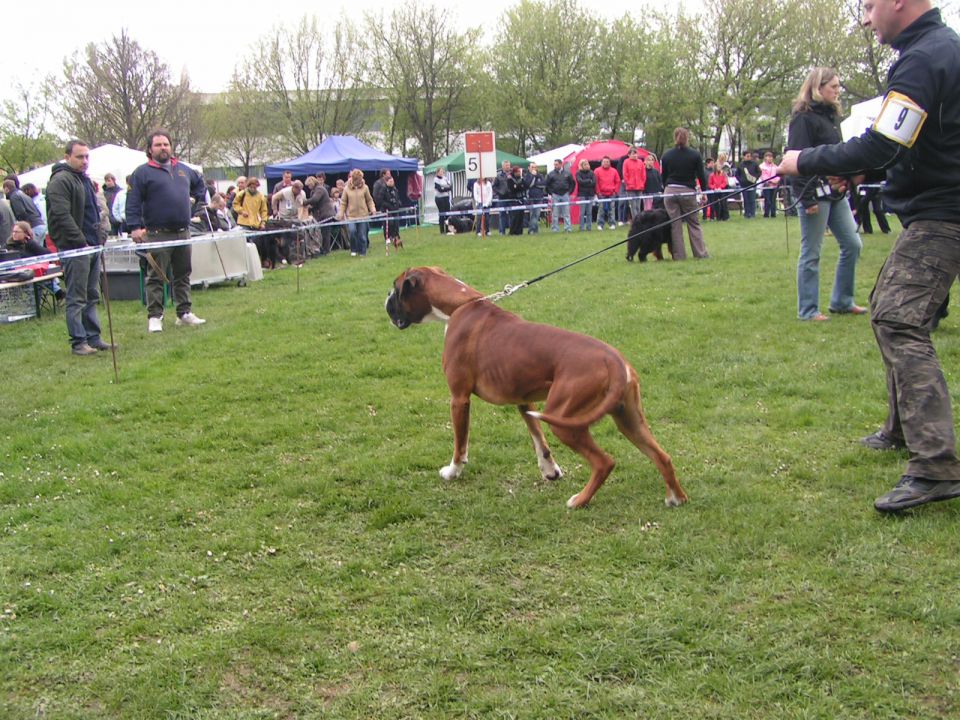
<point>208,237</point>
<point>408,214</point>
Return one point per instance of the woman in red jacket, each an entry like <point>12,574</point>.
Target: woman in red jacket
<point>718,181</point>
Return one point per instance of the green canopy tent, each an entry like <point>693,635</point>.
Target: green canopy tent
<point>457,174</point>
<point>454,162</point>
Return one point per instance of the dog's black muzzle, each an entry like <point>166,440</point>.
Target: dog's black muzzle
<point>397,316</point>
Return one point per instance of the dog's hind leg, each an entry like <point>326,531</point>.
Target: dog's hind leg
<point>460,416</point>
<point>549,470</point>
<point>631,422</point>
<point>601,464</point>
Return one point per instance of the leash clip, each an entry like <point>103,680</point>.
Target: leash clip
<point>507,291</point>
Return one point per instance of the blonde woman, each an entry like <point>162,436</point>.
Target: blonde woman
<point>816,121</point>
<point>586,194</point>
<point>356,206</point>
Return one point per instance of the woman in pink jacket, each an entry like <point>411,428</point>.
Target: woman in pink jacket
<point>767,171</point>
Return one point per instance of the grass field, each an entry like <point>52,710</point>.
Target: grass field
<point>251,524</point>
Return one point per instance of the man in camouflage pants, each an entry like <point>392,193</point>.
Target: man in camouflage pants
<point>916,138</point>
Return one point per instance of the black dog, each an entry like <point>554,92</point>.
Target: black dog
<point>649,232</point>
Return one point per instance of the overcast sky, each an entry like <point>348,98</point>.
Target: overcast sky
<point>206,38</point>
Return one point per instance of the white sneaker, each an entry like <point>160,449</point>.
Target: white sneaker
<point>189,319</point>
<point>155,324</point>
<point>353,254</point>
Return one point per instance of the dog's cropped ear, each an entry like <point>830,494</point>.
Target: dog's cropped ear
<point>411,281</point>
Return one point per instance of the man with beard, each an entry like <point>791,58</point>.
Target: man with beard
<point>159,208</point>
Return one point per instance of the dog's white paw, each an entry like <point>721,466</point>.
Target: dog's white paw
<point>572,502</point>
<point>451,471</point>
<point>673,501</point>
<point>550,471</point>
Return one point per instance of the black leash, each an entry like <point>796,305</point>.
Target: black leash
<point>511,289</point>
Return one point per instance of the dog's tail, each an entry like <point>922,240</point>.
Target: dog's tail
<point>610,400</point>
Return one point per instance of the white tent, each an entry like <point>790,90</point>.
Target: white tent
<point>547,158</point>
<point>861,117</point>
<point>120,161</point>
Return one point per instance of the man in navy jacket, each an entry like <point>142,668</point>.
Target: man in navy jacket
<point>159,207</point>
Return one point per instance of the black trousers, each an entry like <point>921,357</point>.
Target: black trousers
<point>443,205</point>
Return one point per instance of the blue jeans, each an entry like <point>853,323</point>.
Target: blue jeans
<point>560,211</point>
<point>533,225</point>
<point>81,275</point>
<point>359,241</point>
<point>634,203</point>
<point>606,208</point>
<point>837,216</point>
<point>503,217</point>
<point>482,216</point>
<point>769,202</point>
<point>586,213</point>
<point>749,203</point>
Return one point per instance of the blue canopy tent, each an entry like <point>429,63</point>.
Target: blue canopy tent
<point>340,154</point>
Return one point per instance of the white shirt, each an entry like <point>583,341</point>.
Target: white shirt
<point>487,189</point>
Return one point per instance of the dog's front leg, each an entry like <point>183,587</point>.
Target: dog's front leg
<point>460,415</point>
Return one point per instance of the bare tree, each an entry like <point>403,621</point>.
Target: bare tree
<point>119,91</point>
<point>317,84</point>
<point>426,66</point>
<point>238,124</point>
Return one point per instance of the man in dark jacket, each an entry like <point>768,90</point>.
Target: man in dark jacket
<point>24,209</point>
<point>536,191</point>
<point>73,216</point>
<point>159,208</point>
<point>559,186</point>
<point>322,209</point>
<point>748,172</point>
<point>501,195</point>
<point>916,137</point>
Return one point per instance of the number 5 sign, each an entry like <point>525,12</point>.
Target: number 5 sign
<point>480,155</point>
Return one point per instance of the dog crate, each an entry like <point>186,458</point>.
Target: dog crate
<point>17,302</point>
<point>120,260</point>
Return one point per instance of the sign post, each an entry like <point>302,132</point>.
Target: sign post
<point>480,150</point>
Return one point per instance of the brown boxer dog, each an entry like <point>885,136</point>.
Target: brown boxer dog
<point>505,360</point>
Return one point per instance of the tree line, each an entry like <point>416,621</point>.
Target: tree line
<point>555,72</point>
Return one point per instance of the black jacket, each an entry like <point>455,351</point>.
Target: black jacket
<point>389,199</point>
<point>110,194</point>
<point>682,165</point>
<point>500,187</point>
<point>376,192</point>
<point>560,182</point>
<point>654,181</point>
<point>320,204</point>
<point>536,186</point>
<point>923,180</point>
<point>748,172</point>
<point>24,209</point>
<point>586,184</point>
<point>66,202</point>
<point>818,126</point>
<point>516,188</point>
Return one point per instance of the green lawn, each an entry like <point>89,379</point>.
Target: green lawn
<point>251,524</point>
